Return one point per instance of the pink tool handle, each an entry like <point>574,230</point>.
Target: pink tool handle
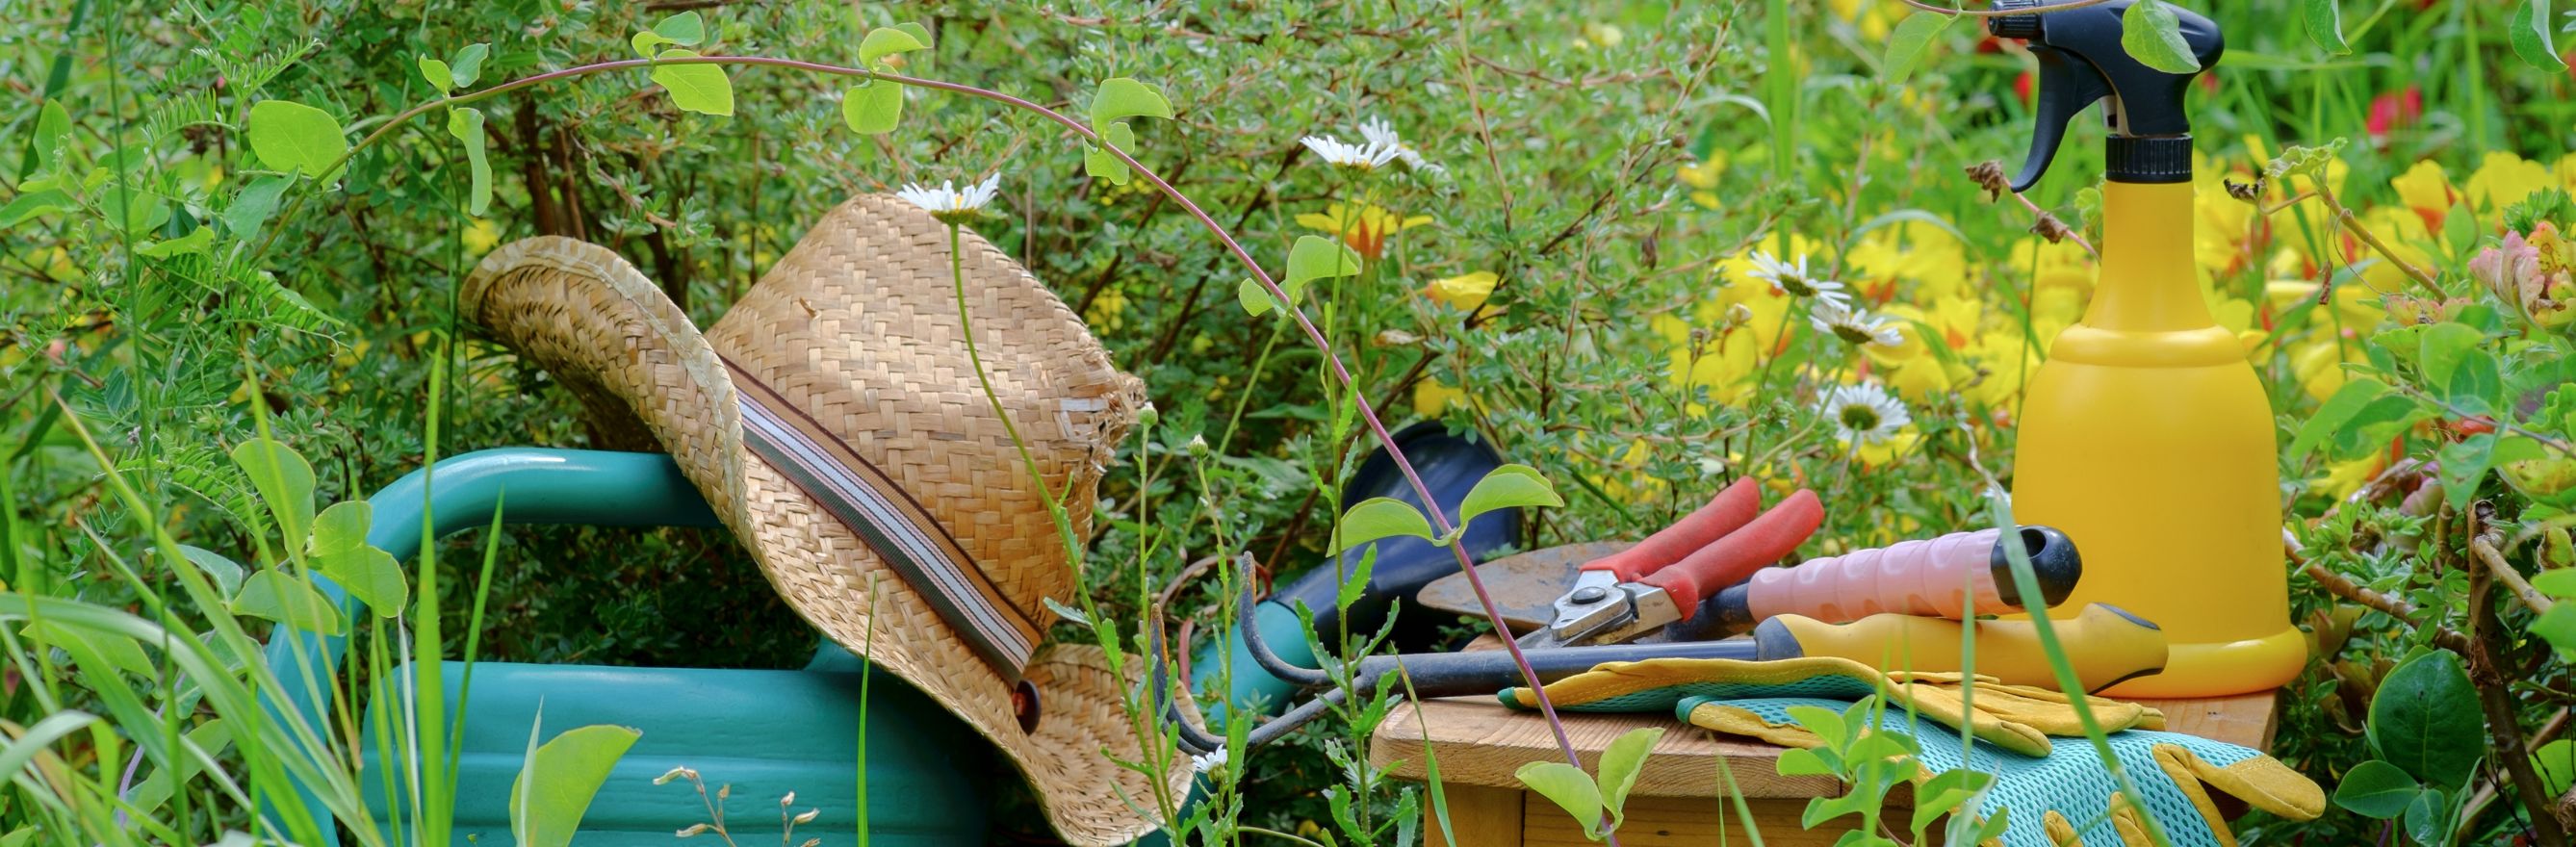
<point>1921,577</point>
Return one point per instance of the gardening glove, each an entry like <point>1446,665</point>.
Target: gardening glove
<point>2014,717</point>
<point>2066,796</point>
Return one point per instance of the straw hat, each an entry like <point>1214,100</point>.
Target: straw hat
<point>834,421</point>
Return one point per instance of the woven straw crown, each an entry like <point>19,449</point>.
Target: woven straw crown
<point>835,420</point>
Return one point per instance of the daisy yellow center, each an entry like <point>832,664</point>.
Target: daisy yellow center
<point>1858,417</point>
<point>1797,285</point>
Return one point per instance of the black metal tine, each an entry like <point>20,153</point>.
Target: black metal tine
<point>1262,654</point>
<point>1191,737</point>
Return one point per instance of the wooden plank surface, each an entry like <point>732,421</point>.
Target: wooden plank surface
<point>1480,743</point>
<point>1680,822</point>
<point>1481,816</point>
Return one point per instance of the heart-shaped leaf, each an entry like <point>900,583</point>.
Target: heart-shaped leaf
<point>685,29</point>
<point>369,574</point>
<point>441,78</point>
<point>1570,788</point>
<point>1620,764</point>
<point>295,138</point>
<point>466,124</point>
<point>558,780</point>
<point>284,481</point>
<point>697,88</point>
<point>1315,257</point>
<point>226,572</point>
<point>872,109</point>
<point>887,41</point>
<point>468,66</point>
<point>1905,46</point>
<point>274,595</point>
<point>341,528</point>
<point>2377,789</point>
<point>1379,518</point>
<point>1256,300</point>
<point>1122,98</point>
<point>2325,26</point>
<point>2152,34</point>
<point>1508,487</point>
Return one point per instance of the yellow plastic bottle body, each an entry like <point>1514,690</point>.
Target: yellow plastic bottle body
<point>2147,438</point>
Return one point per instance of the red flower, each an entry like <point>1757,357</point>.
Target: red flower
<point>2393,110</point>
<point>2024,84</point>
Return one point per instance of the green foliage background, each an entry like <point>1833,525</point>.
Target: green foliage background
<point>1561,130</point>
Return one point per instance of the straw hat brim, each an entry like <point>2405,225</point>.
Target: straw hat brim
<point>647,376</point>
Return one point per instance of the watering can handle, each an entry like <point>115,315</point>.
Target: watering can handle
<point>527,486</point>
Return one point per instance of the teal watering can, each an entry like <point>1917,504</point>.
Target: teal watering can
<point>765,732</point>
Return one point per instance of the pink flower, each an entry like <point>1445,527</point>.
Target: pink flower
<point>2513,271</point>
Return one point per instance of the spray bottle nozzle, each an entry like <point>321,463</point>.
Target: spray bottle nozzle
<point>2082,60</point>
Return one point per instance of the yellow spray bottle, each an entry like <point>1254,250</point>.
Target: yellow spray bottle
<point>2146,435</point>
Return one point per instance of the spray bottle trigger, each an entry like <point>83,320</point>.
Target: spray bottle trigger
<point>2068,84</point>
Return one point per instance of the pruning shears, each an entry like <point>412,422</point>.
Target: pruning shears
<point>1661,581</point>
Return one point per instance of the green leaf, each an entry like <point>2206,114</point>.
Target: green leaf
<point>31,204</point>
<point>469,64</point>
<point>1315,257</point>
<point>886,41</point>
<point>23,749</point>
<point>1570,788</point>
<point>2428,817</point>
<point>283,480</point>
<point>645,41</point>
<point>1121,98</point>
<point>1797,761</point>
<point>141,212</point>
<point>1905,46</point>
<point>341,528</point>
<point>253,206</point>
<point>112,649</point>
<point>1101,163</point>
<point>2530,33</point>
<point>1945,793</point>
<point>2337,411</point>
<point>2555,764</point>
<point>695,88</point>
<point>2442,347</point>
<point>2371,427</point>
<point>1826,724</point>
<point>874,108</point>
<point>2425,720</point>
<point>1822,809</point>
<point>2464,465</point>
<point>2325,26</point>
<point>466,123</point>
<point>1066,612</point>
<point>2558,627</point>
<point>196,241</point>
<point>1620,764</point>
<point>2153,35</point>
<point>369,574</point>
<point>291,137</point>
<point>2377,789</point>
<point>274,595</point>
<point>555,786</point>
<point>1356,582</point>
<point>440,78</point>
<point>1379,518</point>
<point>226,572</point>
<point>2559,583</point>
<point>2475,386</point>
<point>53,141</point>
<point>1508,487</point>
<point>685,29</point>
<point>1256,300</point>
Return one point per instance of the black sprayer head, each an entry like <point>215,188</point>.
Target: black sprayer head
<point>2081,61</point>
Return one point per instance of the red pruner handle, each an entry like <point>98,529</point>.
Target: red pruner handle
<point>1734,558</point>
<point>1729,511</point>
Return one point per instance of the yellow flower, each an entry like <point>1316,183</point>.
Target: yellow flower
<point>2344,478</point>
<point>1915,252</point>
<point>2503,179</point>
<point>480,236</point>
<point>2425,189</point>
<point>1597,34</point>
<point>1431,397</point>
<point>1883,453</point>
<point>1723,366</point>
<point>2402,233</point>
<point>1108,311</point>
<point>1702,177</point>
<point>1464,292</point>
<point>2567,172</point>
<point>2318,364</point>
<point>1365,228</point>
<point>2062,264</point>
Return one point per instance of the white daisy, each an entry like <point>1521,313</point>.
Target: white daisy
<point>1380,134</point>
<point>1208,761</point>
<point>950,205</point>
<point>1794,281</point>
<point>1854,326</point>
<point>1863,414</point>
<point>1367,157</point>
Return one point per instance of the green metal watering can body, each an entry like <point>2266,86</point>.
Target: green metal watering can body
<point>764,732</point>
